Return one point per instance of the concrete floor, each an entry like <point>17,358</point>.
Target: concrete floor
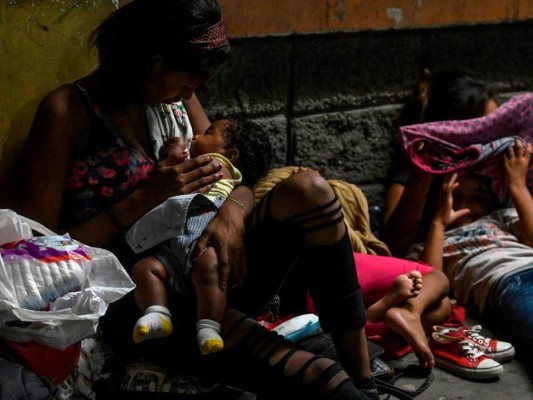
<point>516,383</point>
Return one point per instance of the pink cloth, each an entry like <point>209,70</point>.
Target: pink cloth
<point>376,275</point>
<point>443,147</point>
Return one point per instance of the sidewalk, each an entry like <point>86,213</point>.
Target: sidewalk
<point>515,383</point>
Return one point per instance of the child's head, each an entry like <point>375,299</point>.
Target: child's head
<point>444,96</point>
<point>241,141</point>
<point>448,95</point>
<point>474,193</point>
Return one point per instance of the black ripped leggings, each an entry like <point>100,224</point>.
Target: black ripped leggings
<point>254,358</point>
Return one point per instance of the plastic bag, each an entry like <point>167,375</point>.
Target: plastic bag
<point>77,282</point>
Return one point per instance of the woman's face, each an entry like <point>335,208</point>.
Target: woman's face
<point>167,86</point>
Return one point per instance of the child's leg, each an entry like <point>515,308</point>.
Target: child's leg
<point>414,318</point>
<point>149,275</point>
<point>210,300</point>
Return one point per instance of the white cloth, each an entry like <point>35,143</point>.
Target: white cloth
<point>166,221</point>
<point>166,121</point>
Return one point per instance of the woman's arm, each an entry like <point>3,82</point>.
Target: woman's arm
<point>516,163</point>
<point>403,212</point>
<point>60,131</point>
<point>197,115</point>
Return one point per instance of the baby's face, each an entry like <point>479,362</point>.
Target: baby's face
<point>173,147</point>
<point>211,141</point>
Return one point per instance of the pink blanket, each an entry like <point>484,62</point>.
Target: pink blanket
<point>443,147</point>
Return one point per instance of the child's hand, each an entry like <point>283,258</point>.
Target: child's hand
<point>516,163</point>
<point>445,214</point>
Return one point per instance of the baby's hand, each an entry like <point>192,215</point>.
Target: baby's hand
<point>174,151</point>
<point>516,163</point>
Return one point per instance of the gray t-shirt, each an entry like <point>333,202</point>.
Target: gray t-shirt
<point>479,255</point>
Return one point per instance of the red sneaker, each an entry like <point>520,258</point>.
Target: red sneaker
<point>461,357</point>
<point>496,349</point>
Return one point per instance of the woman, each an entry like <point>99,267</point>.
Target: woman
<point>90,150</point>
<point>448,95</point>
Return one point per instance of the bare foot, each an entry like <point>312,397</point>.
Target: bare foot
<point>407,323</point>
<point>404,287</point>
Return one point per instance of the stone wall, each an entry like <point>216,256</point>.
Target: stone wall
<point>331,100</point>
<point>326,77</point>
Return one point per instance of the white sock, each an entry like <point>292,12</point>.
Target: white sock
<point>208,336</point>
<point>155,323</point>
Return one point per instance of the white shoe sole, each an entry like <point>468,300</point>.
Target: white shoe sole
<point>469,373</point>
<point>503,356</point>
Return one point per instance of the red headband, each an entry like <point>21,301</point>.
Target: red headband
<point>216,36</point>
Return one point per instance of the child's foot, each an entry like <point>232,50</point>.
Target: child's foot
<point>407,323</point>
<point>404,287</point>
<point>155,323</point>
<point>208,336</point>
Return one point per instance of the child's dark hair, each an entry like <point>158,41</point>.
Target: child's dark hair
<point>255,149</point>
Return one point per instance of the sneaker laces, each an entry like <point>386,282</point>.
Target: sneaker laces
<point>470,349</point>
<point>473,333</point>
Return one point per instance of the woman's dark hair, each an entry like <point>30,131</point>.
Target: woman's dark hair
<point>130,37</point>
<point>447,95</point>
<point>455,95</point>
<point>255,149</point>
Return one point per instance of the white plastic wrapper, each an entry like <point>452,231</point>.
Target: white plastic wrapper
<point>53,290</point>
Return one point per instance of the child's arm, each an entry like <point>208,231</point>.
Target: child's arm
<point>516,163</point>
<point>444,216</point>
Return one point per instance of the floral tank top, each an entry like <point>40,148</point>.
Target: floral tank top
<point>109,169</point>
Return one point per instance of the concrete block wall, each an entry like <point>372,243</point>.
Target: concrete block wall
<point>330,100</point>
<point>326,77</point>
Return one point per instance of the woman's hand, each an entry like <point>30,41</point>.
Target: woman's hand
<point>196,175</point>
<point>226,234</point>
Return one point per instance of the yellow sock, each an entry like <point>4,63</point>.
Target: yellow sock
<point>155,323</point>
<point>208,336</point>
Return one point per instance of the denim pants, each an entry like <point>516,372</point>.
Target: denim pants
<point>510,310</point>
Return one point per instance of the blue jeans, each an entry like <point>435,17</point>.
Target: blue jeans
<point>510,309</point>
